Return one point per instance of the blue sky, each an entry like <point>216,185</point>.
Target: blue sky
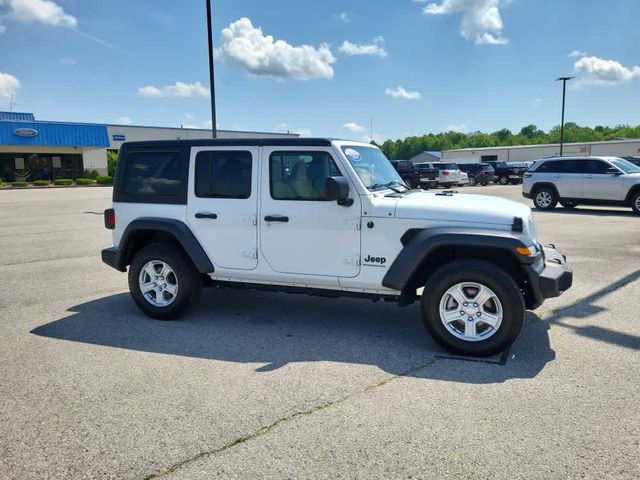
<point>414,66</point>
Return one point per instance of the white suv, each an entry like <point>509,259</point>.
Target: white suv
<point>572,181</point>
<point>324,217</point>
<point>448,173</point>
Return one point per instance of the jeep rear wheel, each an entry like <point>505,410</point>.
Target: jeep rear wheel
<point>163,282</point>
<point>472,307</point>
<point>545,198</point>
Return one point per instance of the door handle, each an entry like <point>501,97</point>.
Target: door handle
<point>211,216</point>
<point>276,218</point>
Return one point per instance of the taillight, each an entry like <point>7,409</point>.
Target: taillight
<point>110,218</point>
<point>444,172</point>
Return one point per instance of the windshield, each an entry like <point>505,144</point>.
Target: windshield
<point>625,165</point>
<point>447,166</point>
<point>371,165</point>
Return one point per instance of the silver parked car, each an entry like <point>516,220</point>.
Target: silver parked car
<point>572,181</point>
<point>448,173</point>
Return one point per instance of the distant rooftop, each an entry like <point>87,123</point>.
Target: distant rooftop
<point>16,117</point>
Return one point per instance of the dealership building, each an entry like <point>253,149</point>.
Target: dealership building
<point>624,147</point>
<point>33,149</point>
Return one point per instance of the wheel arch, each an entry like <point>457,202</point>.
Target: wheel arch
<point>538,185</point>
<point>631,193</point>
<point>145,231</point>
<point>425,251</point>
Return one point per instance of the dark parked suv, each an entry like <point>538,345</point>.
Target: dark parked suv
<point>414,176</point>
<point>507,172</point>
<point>481,173</point>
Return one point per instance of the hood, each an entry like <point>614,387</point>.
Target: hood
<point>461,208</point>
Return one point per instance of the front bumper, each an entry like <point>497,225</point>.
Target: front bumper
<point>548,277</point>
<point>114,258</point>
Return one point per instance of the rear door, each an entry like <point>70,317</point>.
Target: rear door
<point>223,202</point>
<point>567,176</point>
<point>300,231</point>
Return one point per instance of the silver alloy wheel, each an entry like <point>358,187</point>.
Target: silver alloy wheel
<point>471,311</point>
<point>158,283</point>
<point>503,180</point>
<point>638,203</point>
<point>543,199</point>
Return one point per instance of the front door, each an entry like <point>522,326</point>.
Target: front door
<point>600,184</point>
<point>300,231</point>
<point>223,200</point>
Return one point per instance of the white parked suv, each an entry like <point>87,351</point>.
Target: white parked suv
<point>573,181</point>
<point>324,217</point>
<point>448,173</point>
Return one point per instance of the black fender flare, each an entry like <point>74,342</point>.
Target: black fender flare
<point>419,244</point>
<point>176,228</point>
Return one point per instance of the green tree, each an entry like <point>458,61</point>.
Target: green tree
<point>112,160</point>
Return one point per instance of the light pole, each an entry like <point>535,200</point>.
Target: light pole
<point>564,91</point>
<point>211,76</point>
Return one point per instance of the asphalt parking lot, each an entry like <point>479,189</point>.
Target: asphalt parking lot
<point>262,385</point>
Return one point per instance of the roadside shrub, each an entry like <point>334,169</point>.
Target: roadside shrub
<point>112,159</point>
<point>63,181</point>
<point>20,184</point>
<point>104,180</point>
<point>90,174</point>
<point>41,183</point>
<point>84,181</point>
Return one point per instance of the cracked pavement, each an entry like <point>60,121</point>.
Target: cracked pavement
<point>264,385</point>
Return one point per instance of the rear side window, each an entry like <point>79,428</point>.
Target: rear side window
<point>223,174</point>
<point>157,174</point>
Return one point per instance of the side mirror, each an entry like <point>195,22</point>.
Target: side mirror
<point>613,171</point>
<point>337,188</point>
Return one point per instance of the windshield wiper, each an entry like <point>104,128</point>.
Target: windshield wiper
<point>390,186</point>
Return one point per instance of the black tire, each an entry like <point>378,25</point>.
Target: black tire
<point>635,203</point>
<point>515,182</point>
<point>568,205</point>
<point>484,184</point>
<point>540,199</point>
<point>433,185</point>
<point>486,274</point>
<point>472,181</point>
<point>186,275</point>
<point>409,182</point>
<point>503,180</point>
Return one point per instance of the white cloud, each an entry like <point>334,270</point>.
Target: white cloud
<point>124,121</point>
<point>599,71</point>
<point>344,16</point>
<point>460,128</point>
<point>400,92</point>
<point>376,47</point>
<point>69,61</point>
<point>207,124</point>
<point>259,54</point>
<point>481,19</point>
<point>281,127</point>
<point>178,89</point>
<point>303,132</point>
<point>577,53</point>
<point>354,127</point>
<point>39,11</point>
<point>9,85</point>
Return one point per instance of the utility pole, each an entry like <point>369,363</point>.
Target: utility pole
<point>564,91</point>
<point>371,131</point>
<point>211,75</point>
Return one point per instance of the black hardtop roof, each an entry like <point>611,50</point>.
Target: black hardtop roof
<point>232,142</point>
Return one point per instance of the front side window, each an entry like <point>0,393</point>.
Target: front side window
<point>598,167</point>
<point>153,174</point>
<point>372,167</point>
<point>300,175</point>
<point>222,174</point>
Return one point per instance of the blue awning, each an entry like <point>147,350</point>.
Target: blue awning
<point>53,134</point>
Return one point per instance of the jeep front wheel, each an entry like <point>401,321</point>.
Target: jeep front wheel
<point>545,198</point>
<point>163,282</point>
<point>472,307</point>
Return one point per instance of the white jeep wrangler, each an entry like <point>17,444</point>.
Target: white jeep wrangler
<point>324,217</point>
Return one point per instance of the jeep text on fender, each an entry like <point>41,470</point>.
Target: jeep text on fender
<point>324,217</point>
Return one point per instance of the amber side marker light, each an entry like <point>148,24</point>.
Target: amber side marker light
<point>527,251</point>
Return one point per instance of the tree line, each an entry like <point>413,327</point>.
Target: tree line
<point>529,135</point>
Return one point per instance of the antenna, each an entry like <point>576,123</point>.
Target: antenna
<point>13,95</point>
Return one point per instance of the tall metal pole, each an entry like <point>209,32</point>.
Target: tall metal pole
<point>211,75</point>
<point>564,91</point>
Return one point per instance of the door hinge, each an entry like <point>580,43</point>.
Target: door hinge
<point>352,260</point>
<point>355,223</point>
<point>253,253</point>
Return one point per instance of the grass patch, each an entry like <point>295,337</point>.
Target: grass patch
<point>84,181</point>
<point>63,181</point>
<point>104,180</point>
